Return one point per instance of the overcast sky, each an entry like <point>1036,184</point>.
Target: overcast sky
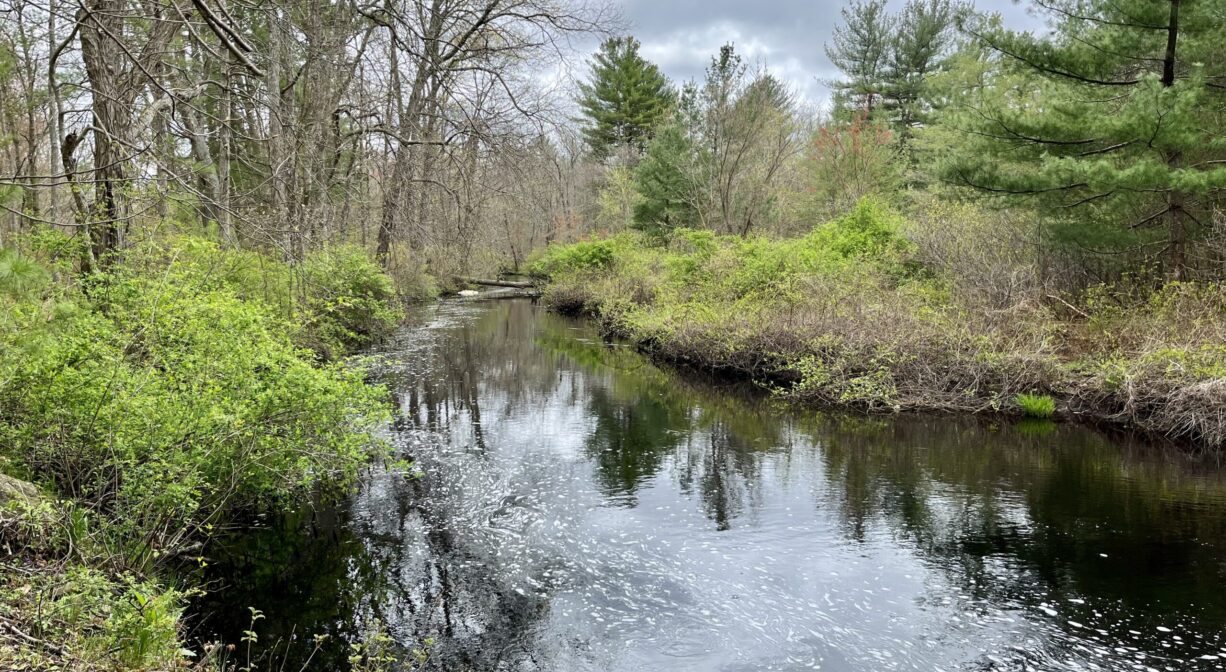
<point>787,36</point>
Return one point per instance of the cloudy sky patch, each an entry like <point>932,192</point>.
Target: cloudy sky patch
<point>787,37</point>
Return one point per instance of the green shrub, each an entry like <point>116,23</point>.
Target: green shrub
<point>583,256</point>
<point>163,401</point>
<point>71,593</point>
<point>1036,405</point>
<point>336,301</point>
<point>350,302</point>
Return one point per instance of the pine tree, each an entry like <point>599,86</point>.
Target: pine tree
<point>925,34</point>
<point>625,99</point>
<point>861,49</point>
<point>1111,123</point>
<point>665,183</point>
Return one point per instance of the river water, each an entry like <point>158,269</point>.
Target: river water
<point>578,508</point>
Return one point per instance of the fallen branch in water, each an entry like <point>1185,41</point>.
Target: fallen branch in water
<point>519,284</point>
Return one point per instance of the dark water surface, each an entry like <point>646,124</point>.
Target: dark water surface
<point>581,509</point>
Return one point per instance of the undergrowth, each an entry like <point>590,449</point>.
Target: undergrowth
<point>857,313</point>
<point>180,392</point>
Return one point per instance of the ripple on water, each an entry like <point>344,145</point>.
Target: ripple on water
<point>580,509</point>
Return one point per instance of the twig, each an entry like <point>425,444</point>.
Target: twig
<point>54,648</point>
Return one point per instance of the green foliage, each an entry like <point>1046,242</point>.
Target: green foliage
<point>1036,405</point>
<point>869,231</point>
<point>350,302</point>
<point>578,257</point>
<point>618,199</point>
<point>166,401</point>
<point>1096,124</point>
<point>625,99</point>
<point>919,48</point>
<point>858,313</point>
<point>336,301</point>
<point>73,595</point>
<point>20,276</point>
<point>860,48</point>
<point>664,183</point>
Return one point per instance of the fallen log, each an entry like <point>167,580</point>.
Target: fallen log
<point>500,293</point>
<point>519,284</point>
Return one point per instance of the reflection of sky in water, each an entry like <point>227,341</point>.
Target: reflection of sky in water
<point>581,510</point>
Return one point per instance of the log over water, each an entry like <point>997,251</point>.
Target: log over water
<point>521,284</point>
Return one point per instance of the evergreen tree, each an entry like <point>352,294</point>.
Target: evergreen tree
<point>887,59</point>
<point>926,32</point>
<point>1111,123</point>
<point>665,183</point>
<point>625,99</point>
<point>861,49</point>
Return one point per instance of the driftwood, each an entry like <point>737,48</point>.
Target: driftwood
<point>501,293</point>
<point>519,284</point>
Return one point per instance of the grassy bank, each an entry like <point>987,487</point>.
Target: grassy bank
<point>867,312</point>
<point>151,406</point>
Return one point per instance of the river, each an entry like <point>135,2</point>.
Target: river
<point>579,508</point>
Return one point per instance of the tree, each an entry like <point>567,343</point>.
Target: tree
<point>922,42</point>
<point>664,181</point>
<point>860,48</point>
<point>625,99</point>
<point>845,162</point>
<point>748,130</point>
<point>1110,124</point>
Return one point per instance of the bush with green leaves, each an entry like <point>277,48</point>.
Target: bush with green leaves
<point>336,301</point>
<point>583,256</point>
<point>164,400</point>
<point>350,302</point>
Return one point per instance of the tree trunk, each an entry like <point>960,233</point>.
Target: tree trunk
<point>99,20</point>
<point>1176,217</point>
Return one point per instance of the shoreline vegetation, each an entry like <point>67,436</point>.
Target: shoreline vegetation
<point>146,409</point>
<point>206,209</point>
<point>862,313</point>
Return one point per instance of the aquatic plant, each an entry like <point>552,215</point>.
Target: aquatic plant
<point>1036,405</point>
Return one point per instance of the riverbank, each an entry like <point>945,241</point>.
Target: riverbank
<point>178,394</point>
<point>854,315</point>
<point>582,510</point>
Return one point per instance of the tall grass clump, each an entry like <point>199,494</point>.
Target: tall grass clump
<point>1036,405</point>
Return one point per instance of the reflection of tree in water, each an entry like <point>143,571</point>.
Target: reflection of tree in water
<point>725,468</point>
<point>445,587</point>
<point>1011,518</point>
<point>646,418</point>
<point>629,441</point>
<point>440,588</point>
<point>1022,519</point>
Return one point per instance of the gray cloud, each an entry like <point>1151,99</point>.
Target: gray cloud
<point>785,36</point>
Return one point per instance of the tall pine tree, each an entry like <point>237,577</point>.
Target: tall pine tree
<point>1112,123</point>
<point>624,100</point>
<point>861,49</point>
<point>925,35</point>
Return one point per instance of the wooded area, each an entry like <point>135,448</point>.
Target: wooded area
<point>443,134</point>
<point>205,205</point>
<point>418,126</point>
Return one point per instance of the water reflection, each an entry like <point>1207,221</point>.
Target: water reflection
<point>582,509</point>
